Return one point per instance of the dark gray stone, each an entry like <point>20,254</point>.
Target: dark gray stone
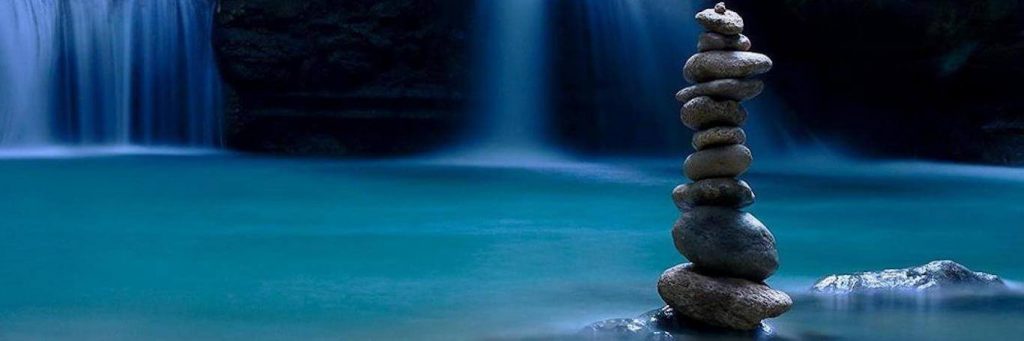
<point>712,65</point>
<point>730,89</point>
<point>710,41</point>
<point>719,162</point>
<point>934,277</point>
<point>726,242</point>
<point>723,192</point>
<point>666,324</point>
<point>718,136</point>
<point>720,301</point>
<point>720,20</point>
<point>704,112</point>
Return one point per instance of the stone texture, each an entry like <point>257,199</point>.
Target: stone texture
<point>668,325</point>
<point>724,192</point>
<point>936,276</point>
<point>728,23</point>
<point>731,89</point>
<point>712,65</point>
<point>719,162</point>
<point>710,41</point>
<point>704,112</point>
<point>724,302</point>
<point>726,242</point>
<point>718,136</point>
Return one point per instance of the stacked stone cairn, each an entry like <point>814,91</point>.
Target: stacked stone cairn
<point>730,251</point>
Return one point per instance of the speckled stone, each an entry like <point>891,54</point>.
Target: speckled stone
<point>730,89</point>
<point>712,65</point>
<point>723,302</point>
<point>719,162</point>
<point>726,242</point>
<point>710,41</point>
<point>704,112</point>
<point>718,136</point>
<point>722,192</point>
<point>720,20</point>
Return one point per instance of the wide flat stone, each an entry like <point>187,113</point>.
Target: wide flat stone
<point>723,89</point>
<point>725,302</point>
<point>718,162</point>
<point>726,242</point>
<point>704,112</point>
<point>718,136</point>
<point>712,65</point>
<point>722,192</point>
<point>711,41</point>
<point>720,20</point>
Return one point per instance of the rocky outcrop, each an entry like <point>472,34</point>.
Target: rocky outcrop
<point>343,77</point>
<point>934,277</point>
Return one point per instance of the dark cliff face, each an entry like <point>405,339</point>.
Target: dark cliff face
<point>898,78</point>
<point>343,76</point>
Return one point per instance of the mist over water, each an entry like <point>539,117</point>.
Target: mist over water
<point>108,73</point>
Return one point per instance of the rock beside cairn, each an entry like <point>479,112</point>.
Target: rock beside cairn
<point>730,251</point>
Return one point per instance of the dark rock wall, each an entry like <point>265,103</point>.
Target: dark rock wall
<point>343,76</point>
<point>936,79</point>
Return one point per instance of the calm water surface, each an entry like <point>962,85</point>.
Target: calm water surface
<point>237,247</point>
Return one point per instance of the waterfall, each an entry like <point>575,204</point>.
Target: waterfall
<point>108,73</point>
<point>512,86</point>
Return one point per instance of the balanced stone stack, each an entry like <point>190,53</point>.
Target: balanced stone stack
<point>730,251</point>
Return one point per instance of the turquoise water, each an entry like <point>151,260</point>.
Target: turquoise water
<point>238,247</point>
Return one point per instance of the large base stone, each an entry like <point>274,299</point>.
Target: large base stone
<point>726,242</point>
<point>666,324</point>
<point>720,301</point>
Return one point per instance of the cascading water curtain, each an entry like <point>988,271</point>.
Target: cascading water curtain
<point>108,72</point>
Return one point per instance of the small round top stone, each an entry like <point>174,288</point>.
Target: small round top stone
<point>720,8</point>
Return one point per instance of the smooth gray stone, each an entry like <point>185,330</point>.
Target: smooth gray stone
<point>665,324</point>
<point>722,192</point>
<point>720,301</point>
<point>730,89</point>
<point>711,41</point>
<point>935,277</point>
<point>720,20</point>
<point>718,136</point>
<point>712,65</point>
<point>726,242</point>
<point>704,112</point>
<point>719,162</point>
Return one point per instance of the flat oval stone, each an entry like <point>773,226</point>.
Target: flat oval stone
<point>718,136</point>
<point>724,302</point>
<point>712,65</point>
<point>728,23</point>
<point>722,192</point>
<point>731,89</point>
<point>711,41</point>
<point>726,242</point>
<point>703,112</point>
<point>719,162</point>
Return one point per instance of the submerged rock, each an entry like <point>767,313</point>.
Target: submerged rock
<point>718,162</point>
<point>666,324</point>
<point>726,242</point>
<point>720,301</point>
<point>725,192</point>
<point>934,277</point>
<point>731,89</point>
<point>720,20</point>
<point>712,65</point>
<point>713,41</point>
